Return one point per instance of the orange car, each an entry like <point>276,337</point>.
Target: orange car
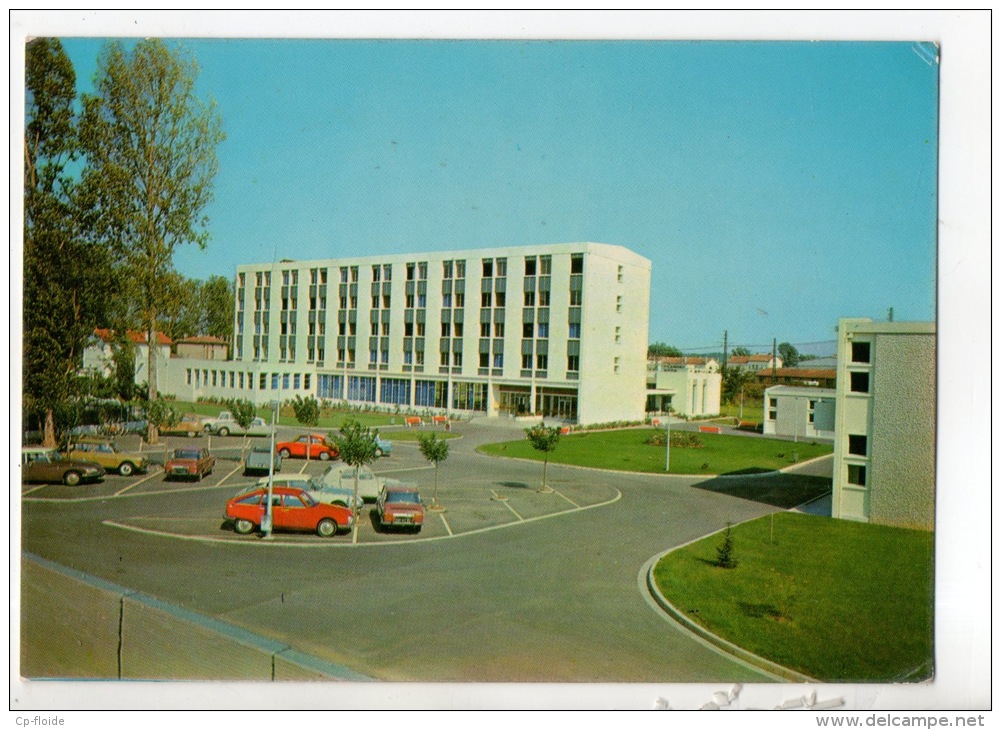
<point>319,447</point>
<point>189,462</point>
<point>291,509</point>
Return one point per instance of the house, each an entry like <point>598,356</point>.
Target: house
<point>884,447</point>
<point>690,387</point>
<point>707,363</point>
<point>815,377</point>
<point>556,330</point>
<point>806,413</point>
<point>98,354</point>
<point>754,363</point>
<point>204,348</point>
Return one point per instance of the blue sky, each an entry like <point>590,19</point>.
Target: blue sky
<point>775,186</point>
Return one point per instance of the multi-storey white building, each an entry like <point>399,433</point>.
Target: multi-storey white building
<point>557,330</point>
<point>884,447</point>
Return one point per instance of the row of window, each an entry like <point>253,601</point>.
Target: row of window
<point>402,392</point>
<point>239,380</point>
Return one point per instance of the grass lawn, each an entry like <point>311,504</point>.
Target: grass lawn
<point>752,410</point>
<point>838,601</point>
<point>626,450</point>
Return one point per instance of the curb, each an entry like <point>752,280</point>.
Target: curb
<point>719,643</point>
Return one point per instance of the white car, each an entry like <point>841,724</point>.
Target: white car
<point>342,476</point>
<point>228,426</point>
<point>325,493</point>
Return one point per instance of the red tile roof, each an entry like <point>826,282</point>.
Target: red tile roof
<point>139,338</point>
<point>202,340</point>
<point>804,373</point>
<point>742,359</point>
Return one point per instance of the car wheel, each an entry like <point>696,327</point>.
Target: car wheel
<point>326,528</point>
<point>243,527</point>
<point>126,468</point>
<point>284,453</point>
<point>378,453</point>
<point>324,456</point>
<point>224,432</point>
<point>71,478</point>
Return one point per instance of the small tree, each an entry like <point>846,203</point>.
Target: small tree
<point>357,446</point>
<point>307,410</point>
<point>724,553</point>
<point>243,411</point>
<point>434,449</point>
<point>544,438</point>
<point>160,413</point>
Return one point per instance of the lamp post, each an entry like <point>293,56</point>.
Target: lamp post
<point>667,441</point>
<point>266,520</point>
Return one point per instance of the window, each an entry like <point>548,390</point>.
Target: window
<point>484,329</point>
<point>420,329</point>
<point>859,382</point>
<point>354,274</point>
<point>274,381</point>
<point>526,362</point>
<point>409,304</point>
<point>285,381</point>
<point>411,270</point>
<point>857,445</point>
<point>575,298</point>
<point>484,360</point>
<point>526,329</point>
<point>542,362</point>
<point>574,330</point>
<point>546,265</point>
<point>385,329</point>
<point>488,268</point>
<point>577,263</point>
<point>422,270</point>
<point>498,329</point>
<point>543,329</point>
<point>856,474</point>
<point>501,267</point>
<point>460,269</point>
<point>375,302</point>
<point>376,271</point>
<point>387,272</point>
<point>422,301</point>
<point>530,265</point>
<point>811,411</point>
<point>543,298</point>
<point>485,299</point>
<point>860,352</point>
<point>446,329</point>
<point>458,329</point>
<point>446,269</point>
<point>618,334</point>
<point>295,382</point>
<point>573,363</point>
<point>446,301</point>
<point>530,299</point>
<point>619,276</point>
<point>615,365</point>
<point>460,300</point>
<point>499,360</point>
<point>457,359</point>
<point>618,303</point>
<point>500,299</point>
<point>386,298</point>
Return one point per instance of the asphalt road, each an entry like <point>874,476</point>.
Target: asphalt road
<point>554,599</point>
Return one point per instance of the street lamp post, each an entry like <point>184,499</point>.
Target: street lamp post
<point>266,522</point>
<point>667,441</point>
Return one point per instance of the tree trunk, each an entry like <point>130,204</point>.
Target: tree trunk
<point>49,430</point>
<point>152,434</point>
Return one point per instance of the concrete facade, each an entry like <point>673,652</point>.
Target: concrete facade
<point>884,449</point>
<point>692,391</point>
<point>799,412</point>
<point>557,330</point>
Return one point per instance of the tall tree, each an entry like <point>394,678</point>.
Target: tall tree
<point>151,149</point>
<point>740,351</point>
<point>66,286</point>
<point>659,349</point>
<point>789,355</point>
<point>217,303</point>
<point>544,438</point>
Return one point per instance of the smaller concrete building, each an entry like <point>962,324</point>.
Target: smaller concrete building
<point>689,390</point>
<point>806,413</point>
<point>811,377</point>
<point>202,348</point>
<point>98,354</point>
<point>754,363</point>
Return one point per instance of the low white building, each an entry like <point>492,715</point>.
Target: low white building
<point>98,355</point>
<point>754,363</point>
<point>806,413</point>
<point>689,390</point>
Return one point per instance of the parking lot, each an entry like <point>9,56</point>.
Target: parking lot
<point>478,500</point>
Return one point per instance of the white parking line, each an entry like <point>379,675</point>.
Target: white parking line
<point>235,470</point>
<point>152,473</point>
<point>409,468</point>
<point>508,505</point>
<point>445,522</point>
<point>566,498</point>
<point>34,489</point>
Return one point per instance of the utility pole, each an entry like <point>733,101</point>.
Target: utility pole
<point>889,315</point>
<point>775,354</point>
<point>723,369</point>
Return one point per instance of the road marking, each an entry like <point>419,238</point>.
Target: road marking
<point>566,498</point>
<point>153,473</point>
<point>408,468</point>
<point>497,497</point>
<point>442,515</point>
<point>508,505</point>
<point>395,543</point>
<point>35,489</point>
<point>235,470</point>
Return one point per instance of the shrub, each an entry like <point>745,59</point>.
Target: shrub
<point>724,553</point>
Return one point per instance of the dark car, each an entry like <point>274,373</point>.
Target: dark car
<point>39,464</point>
<point>189,463</point>
<point>400,506</point>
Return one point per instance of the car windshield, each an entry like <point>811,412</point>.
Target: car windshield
<point>403,497</point>
<point>187,454</point>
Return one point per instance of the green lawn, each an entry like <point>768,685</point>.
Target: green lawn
<point>752,410</point>
<point>625,449</point>
<point>838,601</point>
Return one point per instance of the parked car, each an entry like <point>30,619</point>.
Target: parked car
<point>383,447</point>
<point>343,476</point>
<point>400,506</point>
<point>320,447</point>
<point>291,509</point>
<point>258,461</point>
<point>190,425</point>
<point>40,464</point>
<point>226,427</point>
<point>104,452</point>
<point>189,462</point>
<point>208,423</point>
<point>317,490</point>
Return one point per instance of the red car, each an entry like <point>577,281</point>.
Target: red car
<point>400,506</point>
<point>319,447</point>
<point>291,509</point>
<point>189,462</point>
